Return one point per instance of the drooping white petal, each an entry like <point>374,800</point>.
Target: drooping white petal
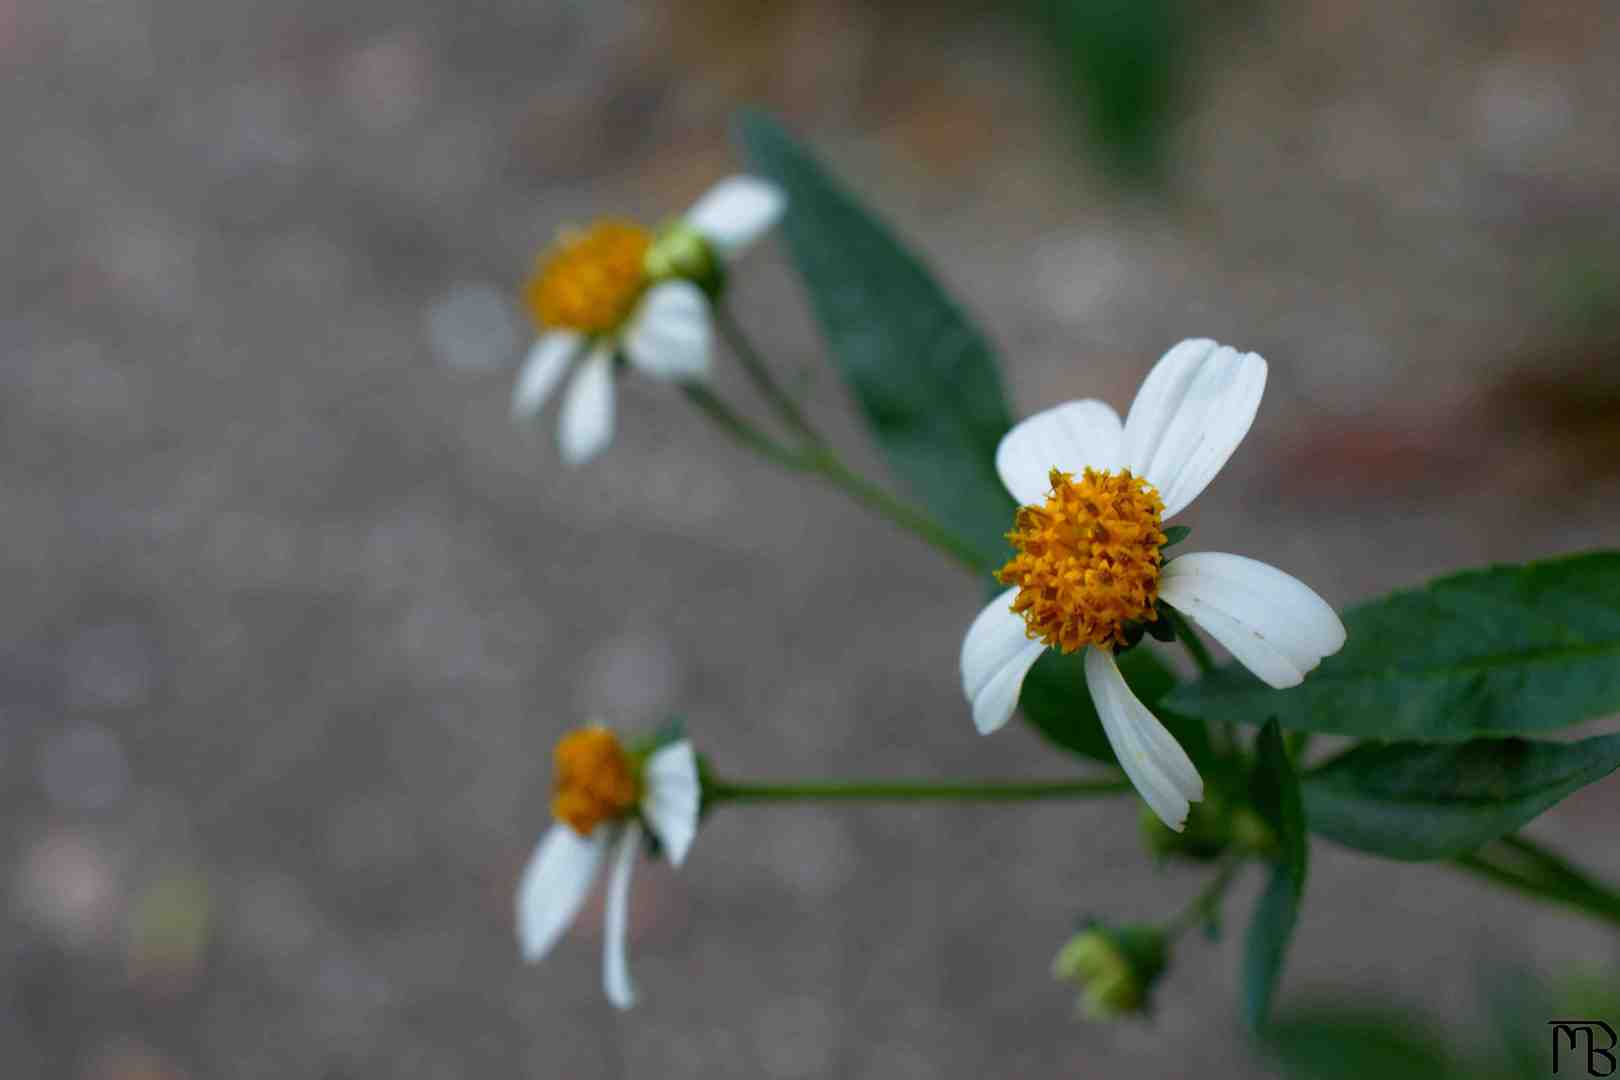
<point>736,212</point>
<point>1271,622</point>
<point>616,919</point>
<point>670,334</point>
<point>554,885</point>
<point>1158,766</point>
<point>1068,437</point>
<point>1192,411</point>
<point>996,655</point>
<point>586,425</point>
<point>672,792</point>
<point>542,371</point>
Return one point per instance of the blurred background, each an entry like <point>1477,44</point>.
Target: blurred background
<point>292,616</point>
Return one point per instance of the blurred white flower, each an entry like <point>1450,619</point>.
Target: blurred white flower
<point>604,797</point>
<point>618,290</point>
<point>1089,569</point>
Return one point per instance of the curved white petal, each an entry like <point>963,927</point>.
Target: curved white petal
<point>670,802</point>
<point>1069,437</point>
<point>736,212</point>
<point>554,885</point>
<point>616,919</point>
<point>996,655</point>
<point>586,425</point>
<point>1192,411</point>
<point>670,334</point>
<point>542,371</point>
<point>1150,755</point>
<point>1271,622</point>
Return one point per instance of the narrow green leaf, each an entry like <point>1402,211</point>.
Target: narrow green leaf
<point>924,376</point>
<point>1275,791</point>
<point>1353,1042</point>
<point>1506,650</point>
<point>1175,534</point>
<point>1415,801</point>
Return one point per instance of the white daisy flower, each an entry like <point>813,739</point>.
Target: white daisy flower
<point>1093,495</point>
<point>604,797</point>
<point>617,290</point>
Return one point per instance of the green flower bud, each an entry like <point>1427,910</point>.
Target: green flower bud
<point>1115,969</point>
<point>680,251</point>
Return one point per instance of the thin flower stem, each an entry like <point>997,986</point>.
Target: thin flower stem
<point>824,463</point>
<point>902,514</point>
<point>1203,907</point>
<point>719,791</point>
<point>759,371</point>
<point>1524,867</point>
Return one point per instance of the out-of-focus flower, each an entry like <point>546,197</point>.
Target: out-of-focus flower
<point>1115,969</point>
<point>617,291</point>
<point>1089,571</point>
<point>605,796</point>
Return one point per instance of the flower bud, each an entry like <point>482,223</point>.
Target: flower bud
<point>1114,968</point>
<point>1207,834</point>
<point>680,251</point>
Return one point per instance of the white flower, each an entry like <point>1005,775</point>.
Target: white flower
<point>566,863</point>
<point>1089,561</point>
<point>616,290</point>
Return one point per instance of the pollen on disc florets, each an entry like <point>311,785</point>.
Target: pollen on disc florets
<point>595,780</point>
<point>590,281</point>
<point>1088,559</point>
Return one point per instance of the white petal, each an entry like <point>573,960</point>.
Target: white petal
<point>1150,755</point>
<point>669,335</point>
<point>673,792</point>
<point>1068,437</point>
<point>1192,411</point>
<point>1271,622</point>
<point>736,212</point>
<point>616,919</point>
<point>542,371</point>
<point>996,655</point>
<point>554,885</point>
<point>586,425</point>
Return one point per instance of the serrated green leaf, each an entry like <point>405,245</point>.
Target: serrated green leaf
<point>924,376</point>
<point>1501,651</point>
<point>1416,801</point>
<point>1275,792</point>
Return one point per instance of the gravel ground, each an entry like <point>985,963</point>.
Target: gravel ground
<point>293,616</point>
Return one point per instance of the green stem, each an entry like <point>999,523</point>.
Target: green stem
<point>1203,907</point>
<point>825,463</point>
<point>759,371</point>
<point>902,514</point>
<point>719,791</point>
<point>1524,867</point>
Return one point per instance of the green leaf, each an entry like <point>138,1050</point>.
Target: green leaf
<point>924,376</point>
<point>1414,801</point>
<point>1056,703</point>
<point>1506,650</point>
<point>1275,791</point>
<point>1354,1042</point>
<point>1175,534</point>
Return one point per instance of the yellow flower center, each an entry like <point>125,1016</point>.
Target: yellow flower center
<point>594,780</point>
<point>1088,560</point>
<point>591,279</point>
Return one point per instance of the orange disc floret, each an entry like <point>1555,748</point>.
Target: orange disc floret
<point>590,281</point>
<point>1088,560</point>
<point>594,780</point>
